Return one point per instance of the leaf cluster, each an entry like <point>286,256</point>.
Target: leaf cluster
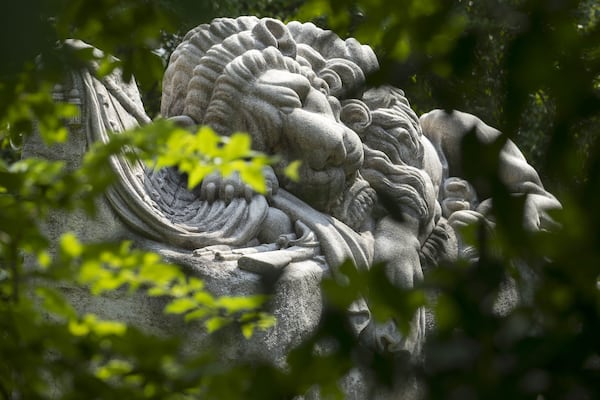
<point>74,353</point>
<point>531,69</point>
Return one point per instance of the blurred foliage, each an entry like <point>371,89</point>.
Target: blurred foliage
<point>205,153</point>
<point>528,67</point>
<point>48,350</point>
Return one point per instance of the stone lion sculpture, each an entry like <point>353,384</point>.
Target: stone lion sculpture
<point>377,183</point>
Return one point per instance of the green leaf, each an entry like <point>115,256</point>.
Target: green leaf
<point>90,323</point>
<point>231,167</point>
<point>78,328</point>
<point>204,298</point>
<point>260,320</point>
<point>181,305</point>
<point>292,170</point>
<point>54,302</point>
<point>238,146</point>
<point>207,141</point>
<point>248,330</point>
<point>197,314</point>
<point>114,368</point>
<point>105,281</point>
<point>89,271</point>
<point>109,328</point>
<point>157,291</point>
<point>195,284</point>
<point>266,321</point>
<point>241,303</point>
<point>70,245</point>
<point>254,178</point>
<point>198,173</point>
<point>179,289</point>
<point>159,274</point>
<point>44,259</point>
<point>215,323</point>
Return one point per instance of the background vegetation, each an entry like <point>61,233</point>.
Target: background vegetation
<point>528,67</point>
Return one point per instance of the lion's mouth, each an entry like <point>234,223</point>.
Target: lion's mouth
<point>355,203</point>
<point>349,198</point>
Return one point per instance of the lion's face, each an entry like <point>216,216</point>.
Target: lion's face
<point>330,152</point>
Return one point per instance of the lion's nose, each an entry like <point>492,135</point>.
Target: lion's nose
<point>329,150</point>
<point>354,152</point>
